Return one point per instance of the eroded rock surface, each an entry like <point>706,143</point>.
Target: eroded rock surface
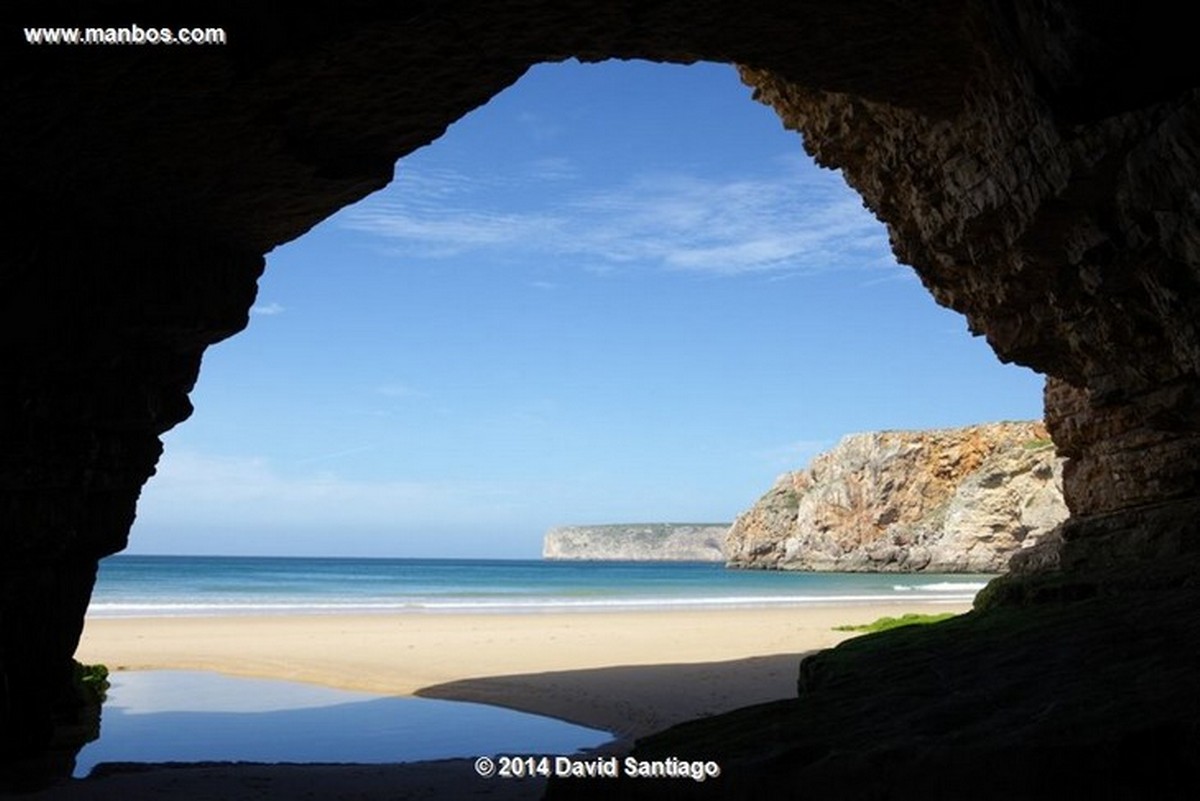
<point>954,500</point>
<point>1054,208</point>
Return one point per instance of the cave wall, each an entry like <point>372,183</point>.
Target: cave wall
<point>1062,221</point>
<point>1056,209</point>
<point>1035,162</point>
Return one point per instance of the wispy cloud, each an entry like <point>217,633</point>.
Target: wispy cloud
<point>450,231</point>
<point>797,221</point>
<point>203,489</point>
<point>267,310</point>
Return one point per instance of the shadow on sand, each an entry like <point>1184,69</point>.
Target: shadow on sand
<point>634,700</point>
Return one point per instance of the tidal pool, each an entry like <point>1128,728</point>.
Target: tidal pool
<point>193,716</point>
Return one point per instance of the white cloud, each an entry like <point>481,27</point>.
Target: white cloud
<point>267,310</point>
<point>798,221</point>
<point>198,489</point>
<point>450,231</point>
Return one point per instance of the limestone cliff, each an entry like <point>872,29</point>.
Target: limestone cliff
<point>955,500</point>
<point>661,542</point>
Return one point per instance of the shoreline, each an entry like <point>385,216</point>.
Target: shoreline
<point>628,672</point>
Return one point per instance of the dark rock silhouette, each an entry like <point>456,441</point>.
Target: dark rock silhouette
<point>1035,162</point>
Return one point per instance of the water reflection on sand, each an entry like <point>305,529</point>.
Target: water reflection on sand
<point>194,716</point>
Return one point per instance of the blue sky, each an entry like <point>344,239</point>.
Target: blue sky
<point>616,293</point>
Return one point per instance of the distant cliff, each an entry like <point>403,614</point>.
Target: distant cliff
<point>663,542</point>
<point>955,500</point>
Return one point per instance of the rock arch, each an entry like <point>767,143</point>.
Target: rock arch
<point>1035,162</point>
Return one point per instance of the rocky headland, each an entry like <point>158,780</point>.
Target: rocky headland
<point>649,542</point>
<point>953,500</point>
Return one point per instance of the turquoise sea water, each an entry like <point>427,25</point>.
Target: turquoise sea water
<point>141,586</point>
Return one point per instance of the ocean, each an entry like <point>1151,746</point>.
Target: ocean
<point>169,586</point>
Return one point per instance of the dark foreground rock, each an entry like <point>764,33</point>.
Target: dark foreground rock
<point>1056,687</point>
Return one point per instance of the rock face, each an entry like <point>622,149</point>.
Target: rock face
<point>870,717</point>
<point>649,542</point>
<point>956,500</point>
<point>1035,161</point>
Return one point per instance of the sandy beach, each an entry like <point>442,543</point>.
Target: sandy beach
<point>630,673</point>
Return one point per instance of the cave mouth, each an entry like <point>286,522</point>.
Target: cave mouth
<point>552,310</point>
<point>1034,162</point>
<point>385,275</point>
